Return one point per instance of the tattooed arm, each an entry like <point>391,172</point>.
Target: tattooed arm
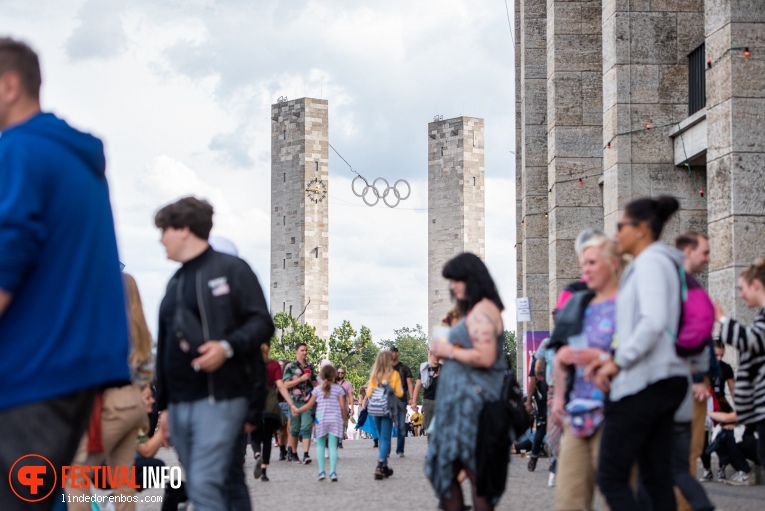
<point>484,325</point>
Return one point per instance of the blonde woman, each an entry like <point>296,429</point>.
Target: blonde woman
<point>584,332</point>
<point>383,374</point>
<point>123,411</point>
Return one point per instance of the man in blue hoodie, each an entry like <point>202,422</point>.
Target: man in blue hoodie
<point>63,322</point>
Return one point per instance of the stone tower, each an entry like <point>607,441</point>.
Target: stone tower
<point>456,206</point>
<point>300,211</point>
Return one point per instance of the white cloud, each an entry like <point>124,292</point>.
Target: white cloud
<point>100,33</point>
<point>181,92</point>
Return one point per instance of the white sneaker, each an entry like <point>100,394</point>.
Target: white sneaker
<point>706,476</point>
<point>551,480</point>
<point>741,478</point>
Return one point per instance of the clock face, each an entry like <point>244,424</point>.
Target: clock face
<point>316,190</point>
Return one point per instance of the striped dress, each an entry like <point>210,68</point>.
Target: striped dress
<point>750,378</point>
<point>329,418</point>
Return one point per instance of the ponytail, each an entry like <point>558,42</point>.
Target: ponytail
<point>656,212</point>
<point>328,375</point>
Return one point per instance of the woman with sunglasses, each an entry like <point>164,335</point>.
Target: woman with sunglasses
<point>645,378</point>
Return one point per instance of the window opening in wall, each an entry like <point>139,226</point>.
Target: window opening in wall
<point>276,284</point>
<point>284,134</point>
<point>317,252</point>
<point>473,180</point>
<point>284,177</point>
<point>284,306</point>
<point>442,150</point>
<point>284,220</point>
<point>697,94</point>
<point>317,166</point>
<point>292,240</point>
<point>284,264</point>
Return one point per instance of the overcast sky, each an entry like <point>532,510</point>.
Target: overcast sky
<point>180,92</point>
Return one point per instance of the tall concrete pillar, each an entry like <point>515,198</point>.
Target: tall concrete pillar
<point>574,123</point>
<point>645,81</point>
<point>518,180</point>
<point>736,151</point>
<point>532,175</point>
<point>456,204</point>
<point>300,211</point>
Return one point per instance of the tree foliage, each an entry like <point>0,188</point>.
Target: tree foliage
<point>511,351</point>
<point>289,333</point>
<point>354,351</point>
<point>412,344</point>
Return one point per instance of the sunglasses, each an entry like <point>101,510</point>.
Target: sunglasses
<point>341,374</point>
<point>619,225</point>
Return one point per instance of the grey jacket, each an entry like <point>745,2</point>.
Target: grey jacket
<point>647,318</point>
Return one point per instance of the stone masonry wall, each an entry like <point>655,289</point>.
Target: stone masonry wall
<point>645,81</point>
<point>736,151</point>
<point>299,226</point>
<point>574,123</point>
<point>456,207</point>
<point>532,244</point>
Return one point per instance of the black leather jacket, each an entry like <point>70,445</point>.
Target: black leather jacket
<point>239,315</point>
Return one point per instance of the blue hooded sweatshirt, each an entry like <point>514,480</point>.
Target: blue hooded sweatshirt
<point>65,329</point>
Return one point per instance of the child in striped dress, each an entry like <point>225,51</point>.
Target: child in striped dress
<point>330,400</point>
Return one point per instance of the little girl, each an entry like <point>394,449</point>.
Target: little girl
<point>329,417</point>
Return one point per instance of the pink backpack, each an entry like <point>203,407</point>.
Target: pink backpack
<point>697,317</point>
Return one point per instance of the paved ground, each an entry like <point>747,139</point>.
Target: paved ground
<point>294,486</point>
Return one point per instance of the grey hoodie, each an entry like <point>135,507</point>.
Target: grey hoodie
<point>647,318</point>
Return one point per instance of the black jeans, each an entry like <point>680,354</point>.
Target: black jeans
<point>51,428</point>
<point>638,428</point>
<point>761,442</point>
<point>539,437</point>
<point>262,439</point>
<point>688,485</point>
<point>737,453</point>
<point>237,494</point>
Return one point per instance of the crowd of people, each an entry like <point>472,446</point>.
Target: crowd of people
<point>622,392</point>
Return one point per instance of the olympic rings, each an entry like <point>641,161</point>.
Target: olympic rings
<point>388,190</point>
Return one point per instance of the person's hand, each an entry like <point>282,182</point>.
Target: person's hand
<point>601,372</point>
<point>529,406</point>
<point>211,357</point>
<point>294,410</point>
<point>441,349</point>
<point>558,412</point>
<point>700,392</point>
<point>305,377</point>
<point>719,312</point>
<point>164,428</point>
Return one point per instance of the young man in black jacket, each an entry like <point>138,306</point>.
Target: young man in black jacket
<point>212,322</point>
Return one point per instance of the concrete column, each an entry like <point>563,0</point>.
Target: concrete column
<point>518,180</point>
<point>300,211</point>
<point>575,119</point>
<point>645,81</point>
<point>736,151</point>
<point>532,180</point>
<point>456,204</point>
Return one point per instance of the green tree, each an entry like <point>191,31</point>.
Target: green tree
<point>289,333</point>
<point>511,350</point>
<point>354,351</point>
<point>412,344</point>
